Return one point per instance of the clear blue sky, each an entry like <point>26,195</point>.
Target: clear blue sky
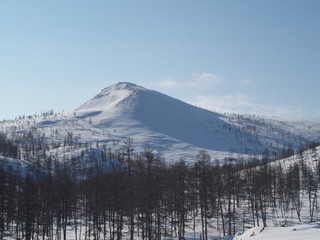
<point>260,56</point>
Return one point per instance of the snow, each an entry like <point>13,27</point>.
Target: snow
<point>289,227</point>
<point>176,130</point>
<point>310,157</point>
<point>173,128</point>
<point>17,165</point>
<point>106,102</point>
<point>297,232</point>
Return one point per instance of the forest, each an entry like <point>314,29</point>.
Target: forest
<point>147,198</point>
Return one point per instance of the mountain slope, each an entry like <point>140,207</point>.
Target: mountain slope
<point>136,109</point>
<point>172,127</point>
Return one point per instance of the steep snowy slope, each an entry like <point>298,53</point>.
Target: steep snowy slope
<point>172,127</point>
<point>139,113</point>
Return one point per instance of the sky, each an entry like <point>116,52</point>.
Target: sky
<point>252,56</point>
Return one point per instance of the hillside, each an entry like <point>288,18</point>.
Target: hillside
<point>173,128</point>
<point>91,168</point>
<point>299,216</point>
<point>155,200</point>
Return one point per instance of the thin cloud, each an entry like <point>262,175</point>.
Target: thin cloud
<point>197,82</point>
<point>205,80</point>
<point>244,104</point>
<point>197,86</point>
<point>228,103</point>
<point>169,83</point>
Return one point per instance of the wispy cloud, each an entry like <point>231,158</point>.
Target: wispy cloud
<point>201,88</point>
<point>169,83</point>
<point>205,80</point>
<point>198,81</point>
<point>227,103</point>
<point>245,104</point>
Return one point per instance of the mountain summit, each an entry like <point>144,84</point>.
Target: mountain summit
<point>156,119</point>
<point>108,99</point>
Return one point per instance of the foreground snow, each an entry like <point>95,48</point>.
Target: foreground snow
<point>296,232</point>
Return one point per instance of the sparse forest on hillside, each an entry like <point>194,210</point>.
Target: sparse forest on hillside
<point>159,120</point>
<point>146,198</point>
<point>193,174</point>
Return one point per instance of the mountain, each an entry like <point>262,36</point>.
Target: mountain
<point>77,147</point>
<point>163,122</point>
<point>168,124</point>
<point>172,127</point>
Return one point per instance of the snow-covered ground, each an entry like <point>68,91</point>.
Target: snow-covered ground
<point>17,165</point>
<point>296,232</point>
<point>279,228</point>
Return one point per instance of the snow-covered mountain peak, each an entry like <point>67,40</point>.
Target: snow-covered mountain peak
<point>123,86</point>
<point>153,117</point>
<point>170,126</point>
<point>109,99</point>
